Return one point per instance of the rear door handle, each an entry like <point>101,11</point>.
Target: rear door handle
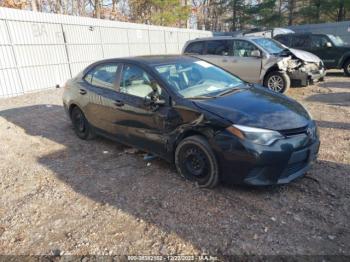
<point>118,103</point>
<point>82,91</point>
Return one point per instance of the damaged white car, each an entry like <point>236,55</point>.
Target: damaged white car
<point>259,60</point>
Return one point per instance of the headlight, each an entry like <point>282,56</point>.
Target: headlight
<point>256,135</point>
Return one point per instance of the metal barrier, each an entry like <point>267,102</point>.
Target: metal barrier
<point>40,50</point>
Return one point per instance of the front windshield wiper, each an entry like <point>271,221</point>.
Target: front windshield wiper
<point>226,92</point>
<point>200,97</point>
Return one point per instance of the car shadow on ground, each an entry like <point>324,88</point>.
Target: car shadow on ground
<point>330,124</point>
<point>333,84</point>
<point>220,221</point>
<point>340,99</point>
<point>336,73</point>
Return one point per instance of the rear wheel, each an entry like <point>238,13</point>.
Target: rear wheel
<point>195,160</point>
<point>277,81</point>
<point>81,126</point>
<point>346,67</point>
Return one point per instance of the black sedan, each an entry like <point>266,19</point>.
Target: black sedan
<point>212,125</point>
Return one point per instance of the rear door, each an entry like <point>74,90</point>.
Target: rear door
<point>301,42</point>
<point>103,105</point>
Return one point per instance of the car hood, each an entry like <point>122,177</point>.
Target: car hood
<point>306,56</point>
<point>257,107</point>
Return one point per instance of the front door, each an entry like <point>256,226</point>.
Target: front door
<point>329,54</point>
<point>242,63</point>
<point>144,123</point>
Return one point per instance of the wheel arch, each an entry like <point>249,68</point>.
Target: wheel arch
<point>345,60</point>
<point>271,69</point>
<point>188,133</point>
<point>71,107</point>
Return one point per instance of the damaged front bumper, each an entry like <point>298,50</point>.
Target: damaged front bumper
<point>307,74</point>
<point>243,162</point>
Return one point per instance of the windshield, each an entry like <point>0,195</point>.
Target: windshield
<point>197,79</point>
<point>271,46</point>
<point>336,40</point>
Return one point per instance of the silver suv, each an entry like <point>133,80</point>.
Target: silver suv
<point>259,60</point>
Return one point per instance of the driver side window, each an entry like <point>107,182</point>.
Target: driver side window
<point>135,81</point>
<point>318,41</point>
<point>243,48</point>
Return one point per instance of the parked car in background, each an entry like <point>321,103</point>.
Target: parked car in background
<point>214,126</point>
<point>267,32</point>
<point>331,49</point>
<point>259,60</point>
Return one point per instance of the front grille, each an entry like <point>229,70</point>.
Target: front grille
<point>295,131</point>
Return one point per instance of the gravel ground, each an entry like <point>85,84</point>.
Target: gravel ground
<point>62,195</point>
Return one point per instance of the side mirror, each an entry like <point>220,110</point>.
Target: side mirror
<point>154,103</point>
<point>159,102</point>
<point>328,44</point>
<point>255,53</point>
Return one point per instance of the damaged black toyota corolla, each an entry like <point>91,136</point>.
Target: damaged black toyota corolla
<point>214,126</point>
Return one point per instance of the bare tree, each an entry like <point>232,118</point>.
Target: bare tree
<point>97,12</point>
<point>34,5</point>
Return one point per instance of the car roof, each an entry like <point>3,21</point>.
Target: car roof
<point>150,60</point>
<point>302,33</point>
<point>226,38</point>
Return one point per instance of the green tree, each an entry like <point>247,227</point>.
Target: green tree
<point>159,12</point>
<point>265,14</point>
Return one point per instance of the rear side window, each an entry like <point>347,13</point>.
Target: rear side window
<point>102,76</point>
<point>300,41</point>
<point>195,48</point>
<point>283,39</point>
<point>218,47</point>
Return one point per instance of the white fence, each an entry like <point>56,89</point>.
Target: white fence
<point>39,50</point>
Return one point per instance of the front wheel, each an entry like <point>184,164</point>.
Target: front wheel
<point>195,160</point>
<point>346,67</point>
<point>277,81</point>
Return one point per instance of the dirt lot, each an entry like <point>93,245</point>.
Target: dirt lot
<point>62,195</point>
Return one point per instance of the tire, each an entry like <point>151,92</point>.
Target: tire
<point>195,161</point>
<point>346,67</point>
<point>277,81</point>
<point>81,126</point>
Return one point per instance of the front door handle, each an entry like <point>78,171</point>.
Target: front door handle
<point>82,91</point>
<point>118,103</point>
